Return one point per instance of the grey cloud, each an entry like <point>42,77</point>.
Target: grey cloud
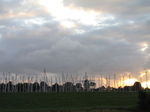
<point>105,48</point>
<point>91,52</point>
<point>34,47</point>
<point>124,7</point>
<point>112,55</point>
<point>21,9</point>
<point>79,53</point>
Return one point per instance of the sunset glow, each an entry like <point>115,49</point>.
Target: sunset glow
<point>129,82</point>
<point>64,14</point>
<point>144,47</point>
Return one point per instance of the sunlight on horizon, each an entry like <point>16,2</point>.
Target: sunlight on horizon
<point>145,84</point>
<point>120,82</point>
<point>129,82</point>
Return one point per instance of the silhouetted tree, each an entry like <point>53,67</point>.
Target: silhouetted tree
<point>128,88</point>
<point>9,86</point>
<point>137,86</point>
<point>55,87</point>
<point>68,86</point>
<point>19,87</point>
<point>36,86</point>
<point>108,88</point>
<point>86,85</point>
<point>144,101</point>
<point>102,88</point>
<point>43,86</point>
<point>92,85</point>
<point>2,89</point>
<point>25,87</point>
<point>78,86</point>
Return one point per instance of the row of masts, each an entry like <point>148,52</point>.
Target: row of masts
<point>49,81</point>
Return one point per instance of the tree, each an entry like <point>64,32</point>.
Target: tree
<point>137,86</point>
<point>68,86</point>
<point>55,87</point>
<point>43,86</point>
<point>103,88</point>
<point>92,85</point>
<point>86,85</point>
<point>144,101</point>
<point>9,86</point>
<point>78,86</point>
<point>19,87</point>
<point>36,86</point>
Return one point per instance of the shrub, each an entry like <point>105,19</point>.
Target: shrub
<point>144,101</point>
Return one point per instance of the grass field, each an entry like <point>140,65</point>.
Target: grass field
<point>77,101</point>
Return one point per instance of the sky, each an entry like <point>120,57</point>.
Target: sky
<point>104,37</point>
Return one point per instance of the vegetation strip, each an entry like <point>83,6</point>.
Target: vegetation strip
<point>67,101</point>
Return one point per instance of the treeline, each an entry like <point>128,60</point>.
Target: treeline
<point>44,87</point>
<point>86,86</point>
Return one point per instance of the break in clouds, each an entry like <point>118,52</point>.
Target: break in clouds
<point>116,40</point>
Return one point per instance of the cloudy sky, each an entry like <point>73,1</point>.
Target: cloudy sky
<point>75,36</point>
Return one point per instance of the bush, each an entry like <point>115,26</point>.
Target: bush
<point>144,101</point>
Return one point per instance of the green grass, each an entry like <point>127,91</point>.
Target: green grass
<point>43,102</point>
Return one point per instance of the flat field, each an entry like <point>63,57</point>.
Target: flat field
<point>68,101</point>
